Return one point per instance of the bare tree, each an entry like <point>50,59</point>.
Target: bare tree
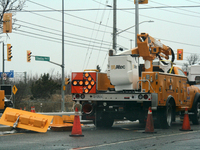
<point>192,59</point>
<point>10,6</point>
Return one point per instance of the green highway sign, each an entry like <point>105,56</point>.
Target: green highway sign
<point>42,58</point>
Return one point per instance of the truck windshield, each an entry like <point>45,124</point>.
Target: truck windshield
<point>181,72</point>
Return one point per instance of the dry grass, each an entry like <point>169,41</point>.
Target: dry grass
<point>53,104</point>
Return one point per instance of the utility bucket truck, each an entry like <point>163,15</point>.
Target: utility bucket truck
<point>128,88</point>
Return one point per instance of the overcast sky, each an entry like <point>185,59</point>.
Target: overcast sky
<point>88,31</point>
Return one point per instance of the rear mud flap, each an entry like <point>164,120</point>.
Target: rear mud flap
<point>25,120</point>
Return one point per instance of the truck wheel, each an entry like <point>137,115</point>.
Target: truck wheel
<point>195,117</point>
<point>165,116</point>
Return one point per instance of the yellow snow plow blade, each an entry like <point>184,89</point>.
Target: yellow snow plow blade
<point>25,120</point>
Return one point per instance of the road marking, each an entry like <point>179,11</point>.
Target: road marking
<point>11,134</point>
<point>133,140</point>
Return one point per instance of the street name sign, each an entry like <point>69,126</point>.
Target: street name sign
<point>42,58</point>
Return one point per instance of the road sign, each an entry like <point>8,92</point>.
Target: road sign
<point>14,89</point>
<point>9,74</point>
<point>42,58</point>
<point>4,76</point>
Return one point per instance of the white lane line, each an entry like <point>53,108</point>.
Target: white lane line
<point>122,142</point>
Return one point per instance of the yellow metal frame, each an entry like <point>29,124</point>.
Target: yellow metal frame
<point>91,70</point>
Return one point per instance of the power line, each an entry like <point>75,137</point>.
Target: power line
<point>50,39</point>
<point>55,38</point>
<point>97,35</point>
<point>64,22</point>
<point>60,34</point>
<point>60,30</point>
<point>193,1</point>
<point>101,9</point>
<point>70,14</point>
<point>176,7</point>
<point>90,42</point>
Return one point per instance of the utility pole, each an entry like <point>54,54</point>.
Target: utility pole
<point>136,21</point>
<point>62,88</point>
<point>114,25</point>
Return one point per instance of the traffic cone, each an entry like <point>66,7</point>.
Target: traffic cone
<point>33,109</point>
<point>149,123</point>
<point>186,122</point>
<point>76,129</point>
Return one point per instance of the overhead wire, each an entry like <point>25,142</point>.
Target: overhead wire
<point>125,11</point>
<point>102,16</point>
<point>69,14</point>
<point>55,38</point>
<point>193,1</point>
<point>176,8</point>
<point>53,29</point>
<point>50,39</point>
<point>104,33</point>
<point>88,49</point>
<point>78,18</point>
<point>102,40</point>
<point>81,39</point>
<point>163,39</point>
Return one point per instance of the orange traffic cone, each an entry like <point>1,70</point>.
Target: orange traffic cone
<point>186,122</point>
<point>33,109</point>
<point>149,123</point>
<point>76,129</point>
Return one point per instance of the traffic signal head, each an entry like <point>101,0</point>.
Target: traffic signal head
<point>7,23</point>
<point>67,81</point>
<point>179,54</point>
<point>9,52</point>
<point>141,2</point>
<point>28,56</point>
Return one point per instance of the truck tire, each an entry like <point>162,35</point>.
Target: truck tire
<point>165,116</point>
<point>196,114</point>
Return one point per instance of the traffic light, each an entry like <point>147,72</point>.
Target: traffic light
<point>67,81</point>
<point>29,56</point>
<point>9,53</point>
<point>179,54</point>
<point>142,2</point>
<point>7,23</point>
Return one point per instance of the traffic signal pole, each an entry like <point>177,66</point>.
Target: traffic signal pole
<point>62,88</point>
<point>2,62</point>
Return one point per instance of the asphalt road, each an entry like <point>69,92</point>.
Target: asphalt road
<point>122,136</point>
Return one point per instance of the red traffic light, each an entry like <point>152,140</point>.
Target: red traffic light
<point>180,52</point>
